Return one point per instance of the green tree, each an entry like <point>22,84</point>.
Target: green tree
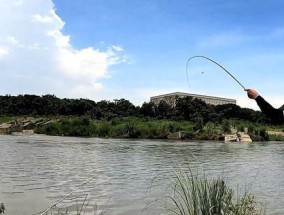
<point>148,109</point>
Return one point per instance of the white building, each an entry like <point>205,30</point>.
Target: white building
<point>172,97</point>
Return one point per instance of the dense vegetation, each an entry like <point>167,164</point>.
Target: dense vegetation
<point>121,119</point>
<point>195,195</point>
<point>188,109</point>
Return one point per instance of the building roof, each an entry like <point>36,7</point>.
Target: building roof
<point>192,95</point>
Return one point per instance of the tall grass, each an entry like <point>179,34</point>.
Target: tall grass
<point>127,127</point>
<point>4,119</point>
<point>194,195</point>
<point>2,208</point>
<point>81,207</point>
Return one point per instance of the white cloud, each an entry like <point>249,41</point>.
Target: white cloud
<point>45,19</point>
<point>34,47</point>
<point>117,48</point>
<point>19,2</point>
<point>12,40</point>
<point>3,52</point>
<point>85,63</point>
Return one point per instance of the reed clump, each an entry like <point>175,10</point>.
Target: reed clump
<point>194,195</point>
<point>2,208</point>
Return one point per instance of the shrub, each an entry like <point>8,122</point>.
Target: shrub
<point>226,126</point>
<point>194,195</point>
<point>104,129</point>
<point>2,208</point>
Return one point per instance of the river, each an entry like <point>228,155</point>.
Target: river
<point>127,175</point>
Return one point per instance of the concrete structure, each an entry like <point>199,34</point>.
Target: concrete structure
<point>23,126</point>
<point>172,97</point>
<point>245,138</point>
<point>5,129</point>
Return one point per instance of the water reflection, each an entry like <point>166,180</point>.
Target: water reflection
<point>36,171</point>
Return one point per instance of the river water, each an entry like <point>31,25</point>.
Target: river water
<point>128,176</point>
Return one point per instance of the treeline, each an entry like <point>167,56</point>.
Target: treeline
<point>186,109</point>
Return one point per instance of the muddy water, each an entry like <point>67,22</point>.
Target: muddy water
<point>36,171</point>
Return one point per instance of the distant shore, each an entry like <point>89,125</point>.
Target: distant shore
<point>130,127</point>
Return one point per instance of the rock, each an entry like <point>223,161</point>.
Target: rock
<point>176,136</point>
<point>231,138</point>
<point>244,137</point>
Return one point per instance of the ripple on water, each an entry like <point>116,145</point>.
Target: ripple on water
<point>42,170</point>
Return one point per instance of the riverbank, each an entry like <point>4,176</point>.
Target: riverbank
<point>144,128</point>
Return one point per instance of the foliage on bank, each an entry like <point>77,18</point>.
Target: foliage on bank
<point>195,195</point>
<point>116,128</point>
<point>121,119</point>
<point>129,127</point>
<point>186,109</point>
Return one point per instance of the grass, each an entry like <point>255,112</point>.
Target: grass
<point>4,119</point>
<point>115,128</point>
<point>80,209</point>
<point>2,208</point>
<point>194,195</point>
<point>191,194</point>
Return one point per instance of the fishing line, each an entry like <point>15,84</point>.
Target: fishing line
<point>207,58</point>
<point>60,200</point>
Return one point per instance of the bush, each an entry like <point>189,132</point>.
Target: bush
<point>117,131</point>
<point>193,195</point>
<point>226,126</point>
<point>104,129</point>
<point>2,208</point>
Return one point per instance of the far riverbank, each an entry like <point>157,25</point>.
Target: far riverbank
<point>143,128</point>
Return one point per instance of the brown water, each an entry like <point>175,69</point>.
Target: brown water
<point>36,171</point>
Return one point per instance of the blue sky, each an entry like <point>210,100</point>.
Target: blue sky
<point>111,49</point>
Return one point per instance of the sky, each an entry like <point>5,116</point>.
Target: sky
<point>133,49</point>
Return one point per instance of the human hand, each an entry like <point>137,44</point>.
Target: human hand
<point>252,94</point>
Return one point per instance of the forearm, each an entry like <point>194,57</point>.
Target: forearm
<point>267,109</point>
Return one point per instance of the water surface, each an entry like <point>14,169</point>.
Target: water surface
<point>36,171</point>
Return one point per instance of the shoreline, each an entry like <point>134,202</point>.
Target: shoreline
<point>19,134</point>
<point>141,128</point>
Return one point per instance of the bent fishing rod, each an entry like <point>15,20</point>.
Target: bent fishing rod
<point>207,58</point>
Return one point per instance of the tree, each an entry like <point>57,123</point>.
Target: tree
<point>164,110</point>
<point>148,109</point>
<point>124,108</point>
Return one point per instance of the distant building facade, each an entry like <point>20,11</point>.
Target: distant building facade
<point>171,98</point>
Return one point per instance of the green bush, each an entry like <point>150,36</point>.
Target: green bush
<point>117,131</point>
<point>131,127</point>
<point>226,126</point>
<point>194,195</point>
<point>104,128</point>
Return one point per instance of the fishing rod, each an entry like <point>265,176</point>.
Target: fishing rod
<point>60,200</point>
<point>207,58</point>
